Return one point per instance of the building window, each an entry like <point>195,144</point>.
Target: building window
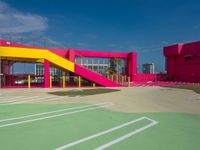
<point>188,57</point>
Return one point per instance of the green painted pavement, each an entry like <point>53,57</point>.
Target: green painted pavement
<point>175,131</point>
<point>7,111</point>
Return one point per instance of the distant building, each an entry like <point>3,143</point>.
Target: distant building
<point>183,62</point>
<point>148,68</point>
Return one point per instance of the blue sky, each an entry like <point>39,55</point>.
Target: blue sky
<point>144,26</point>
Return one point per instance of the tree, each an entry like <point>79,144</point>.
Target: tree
<point>115,64</point>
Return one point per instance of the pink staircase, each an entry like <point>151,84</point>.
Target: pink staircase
<point>93,76</point>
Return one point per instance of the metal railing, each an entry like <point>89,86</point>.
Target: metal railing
<point>34,40</point>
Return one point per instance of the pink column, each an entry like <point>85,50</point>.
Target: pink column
<point>46,74</point>
<point>71,54</point>
<point>132,65</point>
<point>6,67</point>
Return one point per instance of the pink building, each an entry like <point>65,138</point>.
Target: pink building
<point>183,62</point>
<point>89,65</point>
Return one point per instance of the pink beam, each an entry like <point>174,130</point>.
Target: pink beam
<point>86,53</point>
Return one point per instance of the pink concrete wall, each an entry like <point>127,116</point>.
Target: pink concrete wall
<point>87,53</point>
<point>149,77</point>
<point>172,50</point>
<point>144,77</point>
<point>180,68</point>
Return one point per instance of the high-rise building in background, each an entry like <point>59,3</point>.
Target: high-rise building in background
<point>148,68</point>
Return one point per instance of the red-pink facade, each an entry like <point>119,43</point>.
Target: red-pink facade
<point>183,62</point>
<point>70,54</point>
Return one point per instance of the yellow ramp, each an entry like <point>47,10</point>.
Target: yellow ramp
<point>36,54</point>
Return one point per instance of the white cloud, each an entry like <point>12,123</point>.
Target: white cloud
<point>197,26</point>
<point>82,44</point>
<point>112,45</point>
<point>16,21</point>
<point>164,43</point>
<point>126,47</point>
<point>92,36</point>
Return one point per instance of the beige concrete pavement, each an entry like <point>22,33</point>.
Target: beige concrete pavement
<point>134,99</point>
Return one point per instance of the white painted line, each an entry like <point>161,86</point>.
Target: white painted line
<point>28,99</point>
<point>18,101</point>
<point>10,99</point>
<point>13,100</point>
<point>43,97</point>
<point>126,136</point>
<point>50,99</point>
<point>31,99</point>
<point>54,116</point>
<point>54,111</point>
<point>100,133</point>
<point>24,100</point>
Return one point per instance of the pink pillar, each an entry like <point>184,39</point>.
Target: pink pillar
<point>46,74</point>
<point>132,65</point>
<point>71,54</point>
<point>6,67</point>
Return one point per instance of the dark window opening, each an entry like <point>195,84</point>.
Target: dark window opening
<point>188,57</point>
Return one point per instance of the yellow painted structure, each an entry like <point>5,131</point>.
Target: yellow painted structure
<point>111,77</point>
<point>63,81</point>
<point>29,81</point>
<point>129,83</point>
<point>94,85</point>
<point>79,81</point>
<point>35,55</point>
<point>50,82</point>
<point>122,79</point>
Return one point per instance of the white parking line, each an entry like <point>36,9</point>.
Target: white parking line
<point>9,102</point>
<point>57,115</point>
<point>16,101</point>
<point>28,99</point>
<point>33,99</point>
<point>24,100</point>
<point>51,99</point>
<point>10,99</point>
<point>44,98</point>
<point>109,131</point>
<point>54,111</point>
<point>17,97</point>
<point>126,136</point>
